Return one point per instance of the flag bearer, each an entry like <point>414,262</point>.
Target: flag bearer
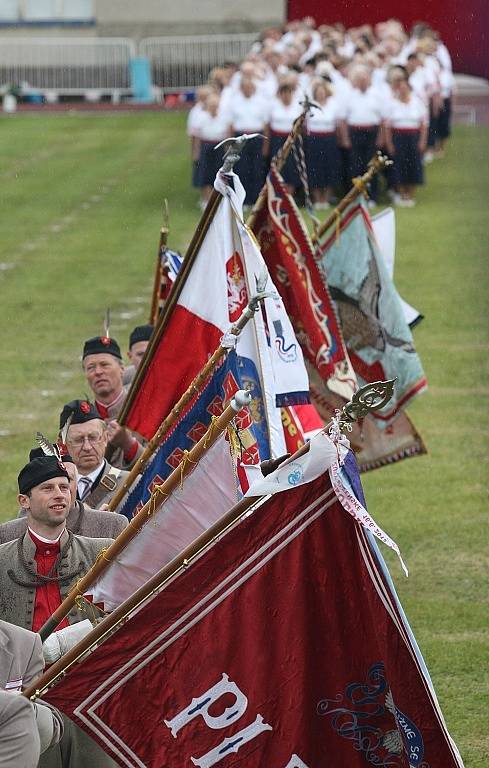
<point>37,572</point>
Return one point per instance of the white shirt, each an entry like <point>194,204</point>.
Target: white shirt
<point>248,114</point>
<point>420,82</point>
<point>281,117</point>
<point>364,108</point>
<point>193,119</point>
<point>411,114</point>
<point>324,120</point>
<point>214,128</point>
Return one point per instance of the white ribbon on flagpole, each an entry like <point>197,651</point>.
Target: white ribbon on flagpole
<point>350,503</point>
<point>320,456</point>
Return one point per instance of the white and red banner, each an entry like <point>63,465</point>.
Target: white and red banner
<point>281,646</point>
<point>221,282</point>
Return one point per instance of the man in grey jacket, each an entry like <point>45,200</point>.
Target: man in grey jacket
<point>81,519</point>
<point>19,739</point>
<point>36,573</point>
<point>86,436</point>
<point>21,662</point>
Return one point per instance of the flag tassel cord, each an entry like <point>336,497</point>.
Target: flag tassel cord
<point>359,187</point>
<point>369,398</point>
<point>164,232</point>
<point>160,494</point>
<point>187,396</point>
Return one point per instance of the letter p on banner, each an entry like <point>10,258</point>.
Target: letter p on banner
<point>200,706</point>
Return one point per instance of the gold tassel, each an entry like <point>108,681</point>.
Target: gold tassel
<point>183,465</point>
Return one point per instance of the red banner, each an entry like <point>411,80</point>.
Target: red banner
<point>287,250</point>
<point>281,646</point>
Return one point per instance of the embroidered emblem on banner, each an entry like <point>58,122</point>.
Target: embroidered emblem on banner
<point>237,293</point>
<point>286,353</point>
<point>367,715</point>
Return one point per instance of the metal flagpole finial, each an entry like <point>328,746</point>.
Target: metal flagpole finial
<point>380,161</point>
<point>367,399</point>
<point>308,105</point>
<point>241,399</point>
<point>233,151</point>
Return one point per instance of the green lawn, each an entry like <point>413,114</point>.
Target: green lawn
<point>81,200</point>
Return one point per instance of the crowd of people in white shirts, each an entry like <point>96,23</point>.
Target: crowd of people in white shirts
<point>373,87</point>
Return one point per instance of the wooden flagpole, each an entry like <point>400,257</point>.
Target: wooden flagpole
<point>279,162</point>
<point>359,186</point>
<point>190,256</point>
<point>155,300</point>
<point>110,622</point>
<point>369,398</point>
<point>187,396</point>
<point>158,497</point>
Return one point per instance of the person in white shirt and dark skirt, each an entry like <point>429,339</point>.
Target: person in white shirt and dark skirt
<point>406,133</point>
<point>361,128</point>
<point>213,128</point>
<point>284,110</point>
<point>322,153</point>
<point>248,113</point>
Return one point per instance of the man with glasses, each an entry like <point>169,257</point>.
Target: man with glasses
<point>86,440</point>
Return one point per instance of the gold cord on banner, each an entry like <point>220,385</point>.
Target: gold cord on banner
<point>155,497</point>
<point>210,432</point>
<point>360,185</point>
<point>337,222</point>
<point>234,440</point>
<point>101,554</point>
<point>183,466</point>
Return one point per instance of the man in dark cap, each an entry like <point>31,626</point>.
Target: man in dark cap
<point>104,370</point>
<point>81,519</point>
<point>36,573</point>
<point>86,439</point>
<point>138,343</point>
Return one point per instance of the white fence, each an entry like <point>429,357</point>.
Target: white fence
<point>74,66</point>
<point>183,63</point>
<point>67,65</point>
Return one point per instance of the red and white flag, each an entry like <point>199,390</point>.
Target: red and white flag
<point>222,279</point>
<point>282,645</point>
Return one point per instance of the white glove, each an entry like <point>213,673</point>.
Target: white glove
<point>60,642</point>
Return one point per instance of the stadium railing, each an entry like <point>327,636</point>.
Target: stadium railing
<point>182,63</point>
<point>67,66</point>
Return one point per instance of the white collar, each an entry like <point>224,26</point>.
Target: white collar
<point>42,538</point>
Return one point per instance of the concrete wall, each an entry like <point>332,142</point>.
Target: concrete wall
<point>147,18</point>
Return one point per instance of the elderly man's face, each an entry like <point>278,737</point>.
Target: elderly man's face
<point>87,443</point>
<point>104,375</point>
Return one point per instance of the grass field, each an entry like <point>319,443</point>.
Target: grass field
<point>81,210</point>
